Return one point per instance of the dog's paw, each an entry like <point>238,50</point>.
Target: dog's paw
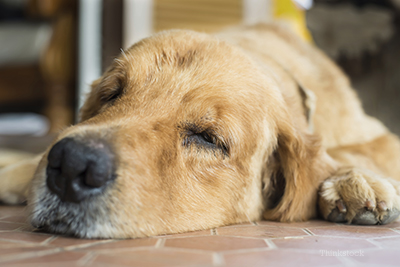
<point>359,197</point>
<point>15,180</point>
<point>11,191</point>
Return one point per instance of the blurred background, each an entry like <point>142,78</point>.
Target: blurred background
<point>51,50</point>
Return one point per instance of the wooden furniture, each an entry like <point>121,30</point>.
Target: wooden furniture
<point>48,85</point>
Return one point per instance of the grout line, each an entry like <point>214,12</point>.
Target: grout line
<point>245,250</point>
<point>18,241</point>
<point>9,222</point>
<point>270,244</point>
<point>290,227</point>
<point>293,237</point>
<point>23,242</point>
<point>26,229</point>
<point>383,237</point>
<point>88,245</point>
<point>118,250</point>
<point>373,242</point>
<point>214,231</point>
<point>218,259</point>
<point>237,225</point>
<point>29,255</point>
<point>88,258</point>
<point>19,229</point>
<point>308,231</point>
<point>394,230</point>
<point>202,251</point>
<point>270,237</point>
<point>207,252</point>
<point>358,238</point>
<point>160,242</point>
<point>8,231</point>
<point>48,240</point>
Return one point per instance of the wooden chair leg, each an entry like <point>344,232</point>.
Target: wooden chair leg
<point>58,109</point>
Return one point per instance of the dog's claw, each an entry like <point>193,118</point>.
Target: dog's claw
<point>338,214</point>
<point>370,205</point>
<point>340,205</point>
<point>382,206</point>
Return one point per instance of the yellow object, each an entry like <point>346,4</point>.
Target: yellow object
<point>288,11</point>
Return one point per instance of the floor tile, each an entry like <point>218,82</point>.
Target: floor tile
<point>124,244</point>
<point>277,258</point>
<point>188,234</point>
<point>307,224</point>
<point>10,251</point>
<point>318,243</point>
<point>242,224</point>
<point>216,243</point>
<point>379,257</point>
<point>55,259</point>
<point>15,218</point>
<point>12,244</point>
<point>354,231</point>
<point>25,237</point>
<point>7,211</point>
<point>71,242</point>
<point>249,244</point>
<point>4,226</point>
<point>17,252</point>
<point>389,242</point>
<point>395,224</point>
<point>260,231</point>
<point>155,257</point>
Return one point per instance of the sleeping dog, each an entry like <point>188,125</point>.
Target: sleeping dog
<point>188,131</point>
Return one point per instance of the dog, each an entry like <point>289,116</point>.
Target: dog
<point>188,131</point>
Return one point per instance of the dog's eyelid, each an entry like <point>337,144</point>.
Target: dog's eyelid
<point>112,94</point>
<point>205,137</point>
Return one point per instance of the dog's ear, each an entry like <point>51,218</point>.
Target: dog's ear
<point>92,103</point>
<point>294,172</point>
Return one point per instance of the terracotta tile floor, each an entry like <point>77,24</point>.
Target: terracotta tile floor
<point>314,243</point>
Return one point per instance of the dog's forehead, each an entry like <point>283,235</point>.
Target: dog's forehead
<point>177,48</point>
<point>182,56</point>
<point>184,65</point>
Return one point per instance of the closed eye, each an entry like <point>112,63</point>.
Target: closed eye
<point>202,137</point>
<point>111,95</point>
<point>205,139</point>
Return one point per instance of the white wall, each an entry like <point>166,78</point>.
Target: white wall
<point>89,47</point>
<point>137,21</point>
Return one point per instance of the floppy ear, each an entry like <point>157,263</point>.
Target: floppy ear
<point>296,169</point>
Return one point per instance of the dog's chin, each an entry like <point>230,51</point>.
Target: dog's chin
<point>88,219</point>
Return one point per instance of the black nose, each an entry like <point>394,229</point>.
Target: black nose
<point>79,169</point>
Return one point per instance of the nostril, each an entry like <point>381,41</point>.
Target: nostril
<point>100,172</point>
<point>55,182</point>
<point>56,153</point>
<point>78,169</point>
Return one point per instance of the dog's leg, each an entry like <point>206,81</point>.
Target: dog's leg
<point>366,190</point>
<point>15,180</point>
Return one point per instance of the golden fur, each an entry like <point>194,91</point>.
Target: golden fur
<point>251,87</point>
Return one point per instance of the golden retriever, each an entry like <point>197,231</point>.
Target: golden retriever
<point>188,131</point>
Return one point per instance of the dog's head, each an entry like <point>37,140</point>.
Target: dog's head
<point>183,132</point>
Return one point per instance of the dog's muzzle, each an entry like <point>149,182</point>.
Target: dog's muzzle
<point>78,169</point>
